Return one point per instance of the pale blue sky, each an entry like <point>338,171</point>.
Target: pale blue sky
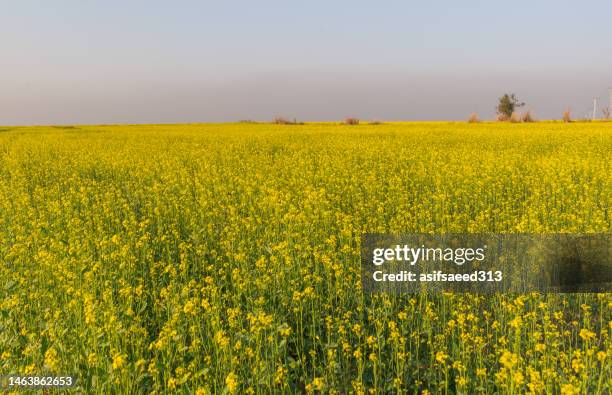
<point>196,61</point>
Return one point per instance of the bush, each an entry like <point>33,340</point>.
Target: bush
<point>351,121</point>
<point>515,117</point>
<point>473,118</point>
<point>527,117</point>
<point>281,121</point>
<point>502,118</point>
<point>285,121</point>
<point>566,116</point>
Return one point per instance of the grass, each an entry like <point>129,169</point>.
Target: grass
<point>225,257</point>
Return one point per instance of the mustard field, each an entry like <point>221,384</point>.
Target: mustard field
<point>224,258</point>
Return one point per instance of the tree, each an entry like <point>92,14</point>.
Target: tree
<point>508,104</point>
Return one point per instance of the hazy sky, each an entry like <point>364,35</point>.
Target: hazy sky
<point>67,62</point>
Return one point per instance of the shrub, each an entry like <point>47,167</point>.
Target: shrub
<point>285,121</point>
<point>473,118</point>
<point>281,121</point>
<point>527,117</point>
<point>351,121</point>
<point>515,117</point>
<point>566,116</point>
<point>502,118</point>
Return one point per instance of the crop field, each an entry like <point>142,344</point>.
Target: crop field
<point>224,258</point>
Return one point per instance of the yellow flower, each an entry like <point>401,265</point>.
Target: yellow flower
<point>51,359</point>
<point>508,359</point>
<point>279,375</point>
<point>231,381</point>
<point>140,364</point>
<point>569,389</point>
<point>318,384</point>
<point>284,330</point>
<point>92,359</point>
<point>221,339</point>
<point>577,365</point>
<point>601,356</point>
<point>441,357</point>
<point>190,307</point>
<point>586,334</point>
<point>518,378</point>
<point>171,383</point>
<point>118,361</point>
<point>517,322</point>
